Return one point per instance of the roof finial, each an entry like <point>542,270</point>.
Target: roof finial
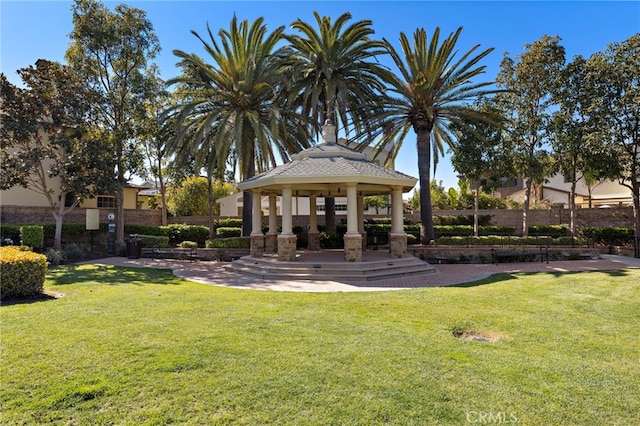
<point>328,132</point>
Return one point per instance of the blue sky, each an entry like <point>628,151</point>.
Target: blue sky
<point>31,30</point>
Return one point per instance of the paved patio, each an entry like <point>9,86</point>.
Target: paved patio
<point>220,274</point>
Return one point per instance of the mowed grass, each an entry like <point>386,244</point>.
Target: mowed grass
<point>139,346</point>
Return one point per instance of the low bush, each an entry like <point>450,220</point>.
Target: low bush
<point>329,240</point>
<point>609,236</point>
<point>483,220</point>
<point>181,232</point>
<point>230,222</point>
<point>549,230</point>
<point>22,273</point>
<point>75,252</point>
<point>188,244</point>
<point>228,232</point>
<point>412,239</point>
<point>32,236</point>
<point>159,241</point>
<point>9,234</point>
<point>235,242</point>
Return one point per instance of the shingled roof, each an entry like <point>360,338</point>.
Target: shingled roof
<point>325,169</point>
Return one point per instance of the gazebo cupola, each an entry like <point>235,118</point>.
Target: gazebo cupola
<point>326,170</point>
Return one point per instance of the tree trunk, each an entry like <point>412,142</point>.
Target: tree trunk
<point>525,211</point>
<point>572,209</point>
<point>57,236</point>
<point>330,214</point>
<point>427,233</point>
<point>120,214</point>
<point>476,227</point>
<point>211,201</point>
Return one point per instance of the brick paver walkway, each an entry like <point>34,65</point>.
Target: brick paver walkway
<point>219,273</point>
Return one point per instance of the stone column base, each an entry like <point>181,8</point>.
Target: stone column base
<point>257,245</point>
<point>271,243</point>
<point>398,244</point>
<point>313,242</point>
<point>353,248</point>
<point>287,247</point>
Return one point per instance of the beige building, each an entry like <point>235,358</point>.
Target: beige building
<point>557,190</point>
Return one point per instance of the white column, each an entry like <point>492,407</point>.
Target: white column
<point>397,213</point>
<point>313,214</point>
<point>352,208</point>
<point>256,214</point>
<point>287,220</point>
<point>273,215</point>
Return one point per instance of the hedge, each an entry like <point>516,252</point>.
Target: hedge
<point>609,236</point>
<point>22,271</point>
<point>159,241</point>
<point>230,222</point>
<point>235,242</point>
<point>32,236</point>
<point>228,232</point>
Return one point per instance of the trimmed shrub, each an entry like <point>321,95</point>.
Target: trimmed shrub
<point>228,232</point>
<point>230,222</point>
<point>483,220</point>
<point>22,273</point>
<point>549,230</point>
<point>159,241</point>
<point>609,236</point>
<point>412,239</point>
<point>453,231</point>
<point>496,230</point>
<point>236,242</point>
<point>32,236</point>
<point>181,232</point>
<point>189,244</point>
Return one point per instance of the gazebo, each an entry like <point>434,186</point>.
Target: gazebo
<point>325,170</point>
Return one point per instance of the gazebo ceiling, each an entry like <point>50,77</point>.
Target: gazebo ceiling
<point>325,170</point>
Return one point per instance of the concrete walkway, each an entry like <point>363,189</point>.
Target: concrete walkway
<point>220,274</point>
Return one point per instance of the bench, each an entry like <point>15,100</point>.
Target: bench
<point>496,254</point>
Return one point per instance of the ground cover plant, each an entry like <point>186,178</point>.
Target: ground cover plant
<point>139,346</point>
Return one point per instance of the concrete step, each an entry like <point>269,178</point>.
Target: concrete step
<point>270,268</point>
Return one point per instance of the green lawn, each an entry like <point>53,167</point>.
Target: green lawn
<point>134,346</point>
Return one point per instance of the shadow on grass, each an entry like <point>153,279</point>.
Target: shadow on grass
<point>112,275</point>
<point>42,297</point>
<point>493,279</point>
<point>510,276</point>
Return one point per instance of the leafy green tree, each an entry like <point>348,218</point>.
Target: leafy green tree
<point>431,91</point>
<point>111,51</point>
<point>233,107</point>
<point>376,202</point>
<point>45,145</point>
<point>334,73</point>
<point>157,130</point>
<point>529,80</point>
<point>615,76</point>
<point>477,156</point>
<point>191,198</point>
<point>577,150</point>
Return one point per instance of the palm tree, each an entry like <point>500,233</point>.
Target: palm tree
<point>233,107</point>
<point>430,94</point>
<point>334,73</point>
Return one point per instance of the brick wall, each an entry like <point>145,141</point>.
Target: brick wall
<point>21,214</point>
<point>614,217</point>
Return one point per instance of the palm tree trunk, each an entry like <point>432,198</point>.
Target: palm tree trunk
<point>427,233</point>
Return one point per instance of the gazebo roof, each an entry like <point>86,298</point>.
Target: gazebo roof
<point>325,170</point>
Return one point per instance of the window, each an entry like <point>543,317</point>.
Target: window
<point>106,202</point>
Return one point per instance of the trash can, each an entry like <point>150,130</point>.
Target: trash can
<point>134,246</point>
